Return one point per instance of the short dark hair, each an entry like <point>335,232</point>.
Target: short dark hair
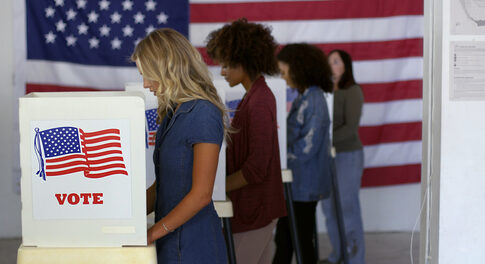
<point>247,44</point>
<point>347,79</point>
<point>308,66</point>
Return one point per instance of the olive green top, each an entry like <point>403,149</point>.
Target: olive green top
<point>347,109</point>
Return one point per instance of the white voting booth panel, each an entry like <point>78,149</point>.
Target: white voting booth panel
<point>151,104</point>
<point>83,169</point>
<point>219,193</point>
<point>278,87</point>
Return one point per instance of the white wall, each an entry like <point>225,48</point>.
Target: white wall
<point>462,172</point>
<point>454,145</point>
<point>10,225</point>
<point>392,208</point>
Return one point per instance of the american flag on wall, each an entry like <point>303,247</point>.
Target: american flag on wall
<point>67,150</point>
<point>85,45</point>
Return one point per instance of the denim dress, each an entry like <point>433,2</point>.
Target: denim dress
<point>199,240</point>
<point>308,143</point>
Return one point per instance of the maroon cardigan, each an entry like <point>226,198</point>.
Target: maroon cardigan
<point>254,150</point>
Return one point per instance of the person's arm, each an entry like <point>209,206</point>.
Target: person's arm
<point>235,181</point>
<point>260,136</point>
<point>352,112</point>
<point>206,157</point>
<point>312,132</point>
<point>151,196</point>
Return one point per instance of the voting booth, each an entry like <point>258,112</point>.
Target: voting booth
<point>83,170</point>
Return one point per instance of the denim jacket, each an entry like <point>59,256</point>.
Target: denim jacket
<point>308,143</point>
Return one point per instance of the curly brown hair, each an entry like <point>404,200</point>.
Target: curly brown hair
<point>308,66</point>
<point>247,44</point>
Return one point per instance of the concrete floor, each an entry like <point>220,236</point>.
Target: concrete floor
<point>8,250</point>
<point>381,248</point>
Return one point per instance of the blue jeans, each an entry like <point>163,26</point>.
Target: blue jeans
<point>349,166</point>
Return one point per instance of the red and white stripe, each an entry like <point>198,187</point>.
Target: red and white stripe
<point>385,40</point>
<point>103,153</point>
<point>151,138</point>
<point>65,165</point>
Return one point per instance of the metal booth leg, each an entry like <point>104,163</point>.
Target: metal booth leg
<point>287,179</point>
<point>225,212</point>
<point>231,253</point>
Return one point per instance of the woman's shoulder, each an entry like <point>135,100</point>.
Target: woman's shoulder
<point>351,89</point>
<point>205,112</point>
<point>315,91</point>
<point>204,123</point>
<point>353,93</point>
<point>262,96</point>
<point>315,100</point>
<point>201,109</point>
<point>315,94</point>
<point>261,87</point>
<point>354,87</point>
<point>202,105</point>
<point>356,90</point>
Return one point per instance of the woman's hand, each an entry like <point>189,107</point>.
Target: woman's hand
<point>151,195</point>
<point>150,236</point>
<point>206,157</point>
<point>235,181</point>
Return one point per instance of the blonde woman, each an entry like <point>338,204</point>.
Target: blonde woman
<point>192,116</point>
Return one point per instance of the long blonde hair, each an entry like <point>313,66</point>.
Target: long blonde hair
<point>167,57</point>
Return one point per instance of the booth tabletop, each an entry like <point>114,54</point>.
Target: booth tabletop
<point>119,255</point>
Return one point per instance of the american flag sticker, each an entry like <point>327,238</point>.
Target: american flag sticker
<point>152,126</point>
<point>66,150</point>
<point>81,169</point>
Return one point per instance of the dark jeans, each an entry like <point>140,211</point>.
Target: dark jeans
<point>305,222</point>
